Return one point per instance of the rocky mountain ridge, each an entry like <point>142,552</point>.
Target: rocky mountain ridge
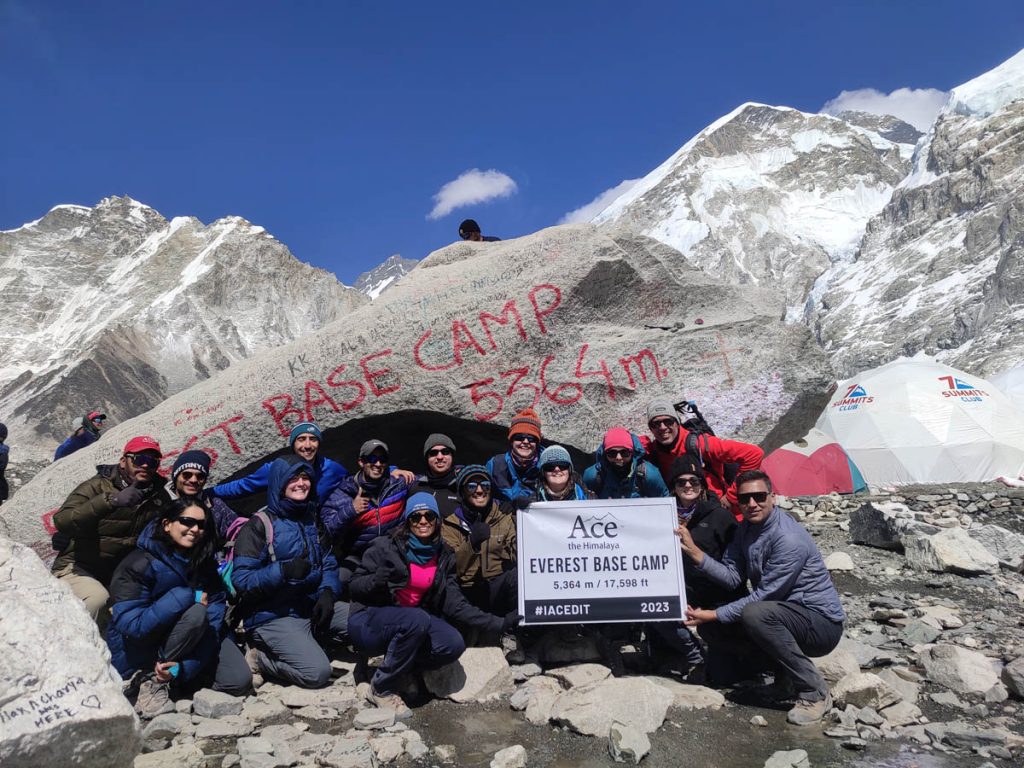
<point>384,275</point>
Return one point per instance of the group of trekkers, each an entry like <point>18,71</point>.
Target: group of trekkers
<point>414,565</point>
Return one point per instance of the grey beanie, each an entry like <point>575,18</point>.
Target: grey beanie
<point>554,454</point>
<point>658,408</point>
<point>438,439</point>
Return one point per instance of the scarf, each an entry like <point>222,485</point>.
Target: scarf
<point>421,552</point>
<point>685,513</point>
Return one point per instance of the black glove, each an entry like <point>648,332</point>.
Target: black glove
<point>297,569</point>
<point>131,496</point>
<point>479,532</point>
<point>323,611</point>
<point>511,621</point>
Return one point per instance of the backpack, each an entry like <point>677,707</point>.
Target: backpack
<point>227,565</point>
<point>693,421</point>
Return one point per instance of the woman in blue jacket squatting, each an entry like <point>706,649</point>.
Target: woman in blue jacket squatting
<point>168,612</point>
<point>288,591</point>
<point>404,594</point>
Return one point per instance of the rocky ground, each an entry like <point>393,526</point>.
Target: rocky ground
<point>930,673</point>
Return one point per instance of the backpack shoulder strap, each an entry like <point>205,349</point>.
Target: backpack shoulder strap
<point>693,447</point>
<point>268,528</point>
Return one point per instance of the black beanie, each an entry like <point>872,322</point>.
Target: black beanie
<point>686,465</point>
<point>468,226</point>
<point>191,460</point>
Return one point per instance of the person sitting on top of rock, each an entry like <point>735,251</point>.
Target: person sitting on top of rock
<point>83,433</point>
<point>404,594</point>
<point>288,586</point>
<point>366,505</point>
<point>558,480</point>
<point>188,481</point>
<point>96,418</point>
<point>793,610</point>
<point>100,520</point>
<point>671,439</point>
<point>5,452</point>
<point>470,230</point>
<point>621,472</point>
<point>439,480</point>
<point>482,533</point>
<point>712,528</point>
<point>515,472</point>
<point>167,612</point>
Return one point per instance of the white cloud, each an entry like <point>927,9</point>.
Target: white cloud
<point>473,186</point>
<point>917,106</point>
<point>599,203</point>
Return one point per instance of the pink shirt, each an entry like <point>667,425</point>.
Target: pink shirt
<point>420,579</point>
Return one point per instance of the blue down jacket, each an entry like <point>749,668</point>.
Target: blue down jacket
<point>604,482</point>
<point>150,592</point>
<point>264,592</point>
<point>328,474</point>
<point>350,532</point>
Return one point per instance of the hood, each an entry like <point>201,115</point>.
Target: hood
<point>147,542</point>
<point>638,456</point>
<point>281,471</point>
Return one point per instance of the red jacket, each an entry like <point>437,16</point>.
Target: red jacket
<point>715,453</point>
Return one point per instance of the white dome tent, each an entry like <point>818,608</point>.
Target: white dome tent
<point>917,421</point>
<point>1011,384</point>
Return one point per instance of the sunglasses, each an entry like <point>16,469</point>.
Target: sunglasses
<point>374,458</point>
<point>439,452</point>
<point>661,423</point>
<point>415,517</point>
<point>682,482</point>
<point>188,475</point>
<point>558,466</point>
<point>143,460</point>
<point>524,439</point>
<point>191,522</point>
<point>758,496</point>
<point>619,453</point>
<point>478,485</point>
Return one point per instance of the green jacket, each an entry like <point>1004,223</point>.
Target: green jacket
<point>495,556</point>
<point>100,534</point>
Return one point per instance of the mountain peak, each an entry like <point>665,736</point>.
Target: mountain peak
<point>991,91</point>
<point>384,275</point>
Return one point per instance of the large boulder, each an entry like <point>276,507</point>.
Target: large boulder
<point>631,701</point>
<point>884,524</point>
<point>959,669</point>
<point>60,700</point>
<point>479,674</point>
<point>949,550</point>
<point>1005,545</point>
<point>585,326</point>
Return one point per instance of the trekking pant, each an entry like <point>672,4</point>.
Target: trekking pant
<point>786,634</point>
<point>497,596</point>
<point>193,644</point>
<point>678,639</point>
<point>288,651</point>
<point>88,589</point>
<point>409,638</point>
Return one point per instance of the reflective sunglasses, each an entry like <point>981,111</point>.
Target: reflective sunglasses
<point>520,438</point>
<point>758,496</point>
<point>191,522</point>
<point>186,474</point>
<point>661,423</point>
<point>682,482</point>
<point>415,517</point>
<point>143,460</point>
<point>619,453</point>
<point>474,485</point>
<point>439,452</point>
<point>559,466</point>
<point>374,458</point>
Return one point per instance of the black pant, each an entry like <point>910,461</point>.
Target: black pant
<point>784,635</point>
<point>498,596</point>
<point>192,629</point>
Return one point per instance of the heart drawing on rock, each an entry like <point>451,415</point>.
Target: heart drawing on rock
<point>93,702</point>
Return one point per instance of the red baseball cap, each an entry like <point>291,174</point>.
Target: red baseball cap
<point>93,415</point>
<point>142,443</point>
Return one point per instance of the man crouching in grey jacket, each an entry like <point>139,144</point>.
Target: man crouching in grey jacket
<point>792,611</point>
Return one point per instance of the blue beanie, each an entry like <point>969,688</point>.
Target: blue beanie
<point>420,502</point>
<point>305,428</point>
<point>554,454</point>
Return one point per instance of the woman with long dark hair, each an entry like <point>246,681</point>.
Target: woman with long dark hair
<point>168,603</point>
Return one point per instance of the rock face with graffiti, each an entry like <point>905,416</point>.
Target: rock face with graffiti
<point>584,326</point>
<point>57,687</point>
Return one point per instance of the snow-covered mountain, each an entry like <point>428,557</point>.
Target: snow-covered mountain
<point>116,307</point>
<point>886,242</point>
<point>770,195</point>
<point>384,275</point>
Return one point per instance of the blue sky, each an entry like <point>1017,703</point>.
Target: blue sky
<point>334,125</point>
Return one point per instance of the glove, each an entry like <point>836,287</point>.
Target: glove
<point>297,569</point>
<point>323,611</point>
<point>131,496</point>
<point>479,532</point>
<point>511,621</point>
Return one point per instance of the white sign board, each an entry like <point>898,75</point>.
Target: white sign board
<point>600,561</point>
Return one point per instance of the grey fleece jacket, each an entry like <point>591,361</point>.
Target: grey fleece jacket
<point>782,562</point>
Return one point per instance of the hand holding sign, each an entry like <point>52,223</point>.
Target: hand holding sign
<point>686,543</point>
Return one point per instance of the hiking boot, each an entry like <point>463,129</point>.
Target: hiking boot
<point>390,701</point>
<point>809,712</point>
<point>154,699</point>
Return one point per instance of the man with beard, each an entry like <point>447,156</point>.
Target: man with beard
<point>439,481</point>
